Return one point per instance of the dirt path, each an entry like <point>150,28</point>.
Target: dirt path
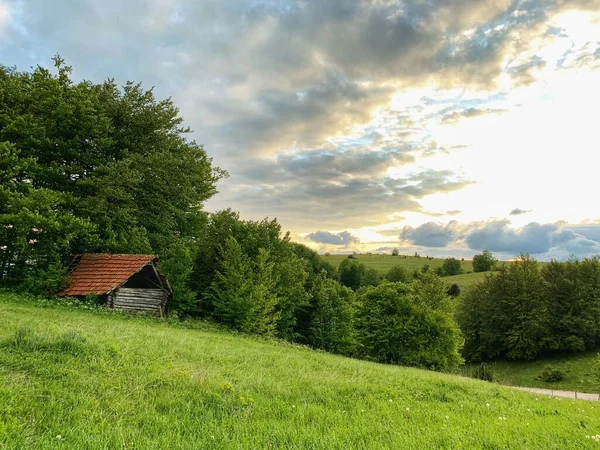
<point>556,393</point>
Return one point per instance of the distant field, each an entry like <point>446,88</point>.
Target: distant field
<point>383,263</point>
<point>75,379</point>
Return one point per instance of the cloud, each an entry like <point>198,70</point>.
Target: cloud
<point>518,211</point>
<point>277,90</point>
<point>325,237</point>
<point>430,234</point>
<point>496,236</point>
<point>455,116</point>
<point>549,240</point>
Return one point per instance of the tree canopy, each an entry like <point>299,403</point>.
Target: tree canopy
<point>88,167</point>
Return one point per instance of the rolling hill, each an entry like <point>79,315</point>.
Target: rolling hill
<point>77,379</point>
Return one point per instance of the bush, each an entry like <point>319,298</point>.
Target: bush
<point>454,290</point>
<point>483,372</point>
<point>550,374</point>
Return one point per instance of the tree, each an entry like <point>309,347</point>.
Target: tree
<point>506,315</point>
<point>355,274</point>
<point>451,267</point>
<point>90,169</point>
<point>242,292</point>
<point>484,262</point>
<point>332,309</point>
<point>572,296</point>
<point>395,252</point>
<point>393,326</point>
<point>397,274</point>
<point>352,273</point>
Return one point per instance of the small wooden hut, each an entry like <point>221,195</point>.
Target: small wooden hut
<point>127,282</point>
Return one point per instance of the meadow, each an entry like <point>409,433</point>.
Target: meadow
<point>577,370</point>
<point>383,263</point>
<point>89,379</point>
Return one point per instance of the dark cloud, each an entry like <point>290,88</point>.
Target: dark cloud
<point>430,234</point>
<point>518,211</point>
<point>498,237</point>
<point>325,237</point>
<point>545,241</point>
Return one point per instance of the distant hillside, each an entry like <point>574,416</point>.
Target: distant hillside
<point>74,379</point>
<point>383,263</point>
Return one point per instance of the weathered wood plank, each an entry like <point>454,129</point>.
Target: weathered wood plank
<point>137,305</point>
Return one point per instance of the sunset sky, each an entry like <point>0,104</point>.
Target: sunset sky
<point>443,127</point>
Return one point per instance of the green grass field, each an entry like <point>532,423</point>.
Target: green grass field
<point>577,370</point>
<point>78,379</point>
<point>383,263</point>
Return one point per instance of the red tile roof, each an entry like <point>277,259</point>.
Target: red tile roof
<point>100,273</point>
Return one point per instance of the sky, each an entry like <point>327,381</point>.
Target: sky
<point>439,127</point>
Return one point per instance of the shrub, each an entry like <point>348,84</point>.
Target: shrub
<point>483,372</point>
<point>454,290</point>
<point>550,374</point>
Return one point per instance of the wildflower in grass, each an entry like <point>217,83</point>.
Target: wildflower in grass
<point>390,400</point>
<point>407,409</point>
<point>293,406</point>
<point>59,437</point>
<point>487,404</point>
<point>447,417</point>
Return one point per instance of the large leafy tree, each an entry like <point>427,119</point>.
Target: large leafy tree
<point>93,167</point>
<point>397,324</point>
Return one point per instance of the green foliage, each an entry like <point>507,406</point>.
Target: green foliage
<point>551,374</point>
<point>483,372</point>
<point>484,262</point>
<point>331,316</point>
<point>355,274</point>
<point>242,292</point>
<point>397,274</point>
<point>572,299</point>
<point>89,167</point>
<point>397,324</point>
<point>46,282</point>
<point>504,316</point>
<point>451,267</point>
<point>522,312</point>
<point>176,265</point>
<point>454,290</point>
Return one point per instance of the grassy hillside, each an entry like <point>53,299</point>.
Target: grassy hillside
<point>383,263</point>
<point>71,378</point>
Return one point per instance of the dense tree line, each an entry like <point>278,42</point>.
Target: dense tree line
<point>90,167</point>
<point>525,310</point>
